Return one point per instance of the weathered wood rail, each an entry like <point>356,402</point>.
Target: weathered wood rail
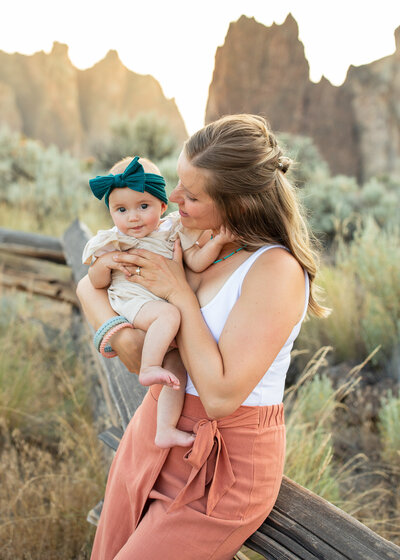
<point>301,526</point>
<point>35,263</point>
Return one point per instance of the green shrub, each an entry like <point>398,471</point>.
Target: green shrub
<point>374,259</point>
<point>363,290</point>
<point>148,135</point>
<point>341,329</point>
<point>332,206</point>
<point>44,186</point>
<point>380,198</point>
<point>337,206</point>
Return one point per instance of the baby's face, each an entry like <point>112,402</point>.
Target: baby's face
<point>134,213</point>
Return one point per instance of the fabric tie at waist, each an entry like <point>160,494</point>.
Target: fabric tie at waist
<point>210,461</point>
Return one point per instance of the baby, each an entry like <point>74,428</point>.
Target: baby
<point>134,192</point>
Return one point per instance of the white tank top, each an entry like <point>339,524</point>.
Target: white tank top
<point>270,389</point>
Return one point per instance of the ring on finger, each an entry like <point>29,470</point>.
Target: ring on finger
<point>137,271</point>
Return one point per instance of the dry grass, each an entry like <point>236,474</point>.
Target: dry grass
<point>365,487</point>
<point>44,500</point>
<point>50,459</point>
<point>311,404</point>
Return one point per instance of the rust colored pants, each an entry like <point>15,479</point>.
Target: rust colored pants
<point>196,504</point>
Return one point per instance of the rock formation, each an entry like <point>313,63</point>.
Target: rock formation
<point>108,90</point>
<point>264,70</point>
<point>47,98</point>
<point>9,113</point>
<point>375,96</point>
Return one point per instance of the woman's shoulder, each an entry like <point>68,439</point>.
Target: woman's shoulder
<point>277,257</point>
<point>278,269</point>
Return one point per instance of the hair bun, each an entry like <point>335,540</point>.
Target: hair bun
<point>283,163</point>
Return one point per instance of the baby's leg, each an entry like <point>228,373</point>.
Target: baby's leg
<point>169,407</point>
<point>161,320</point>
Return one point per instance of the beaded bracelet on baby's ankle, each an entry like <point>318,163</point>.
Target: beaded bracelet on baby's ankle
<point>106,329</point>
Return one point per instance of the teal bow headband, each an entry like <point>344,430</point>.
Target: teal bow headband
<point>134,178</point>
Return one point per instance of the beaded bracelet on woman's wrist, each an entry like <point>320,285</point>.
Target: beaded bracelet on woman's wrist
<point>106,327</point>
<point>105,349</point>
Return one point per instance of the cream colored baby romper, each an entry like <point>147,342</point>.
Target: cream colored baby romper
<point>126,297</point>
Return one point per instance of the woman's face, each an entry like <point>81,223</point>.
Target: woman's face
<point>196,207</point>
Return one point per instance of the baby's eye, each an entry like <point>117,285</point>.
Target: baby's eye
<point>144,206</point>
<point>122,209</point>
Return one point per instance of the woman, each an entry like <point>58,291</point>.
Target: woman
<point>239,319</point>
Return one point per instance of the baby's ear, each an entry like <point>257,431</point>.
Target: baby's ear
<point>163,207</point>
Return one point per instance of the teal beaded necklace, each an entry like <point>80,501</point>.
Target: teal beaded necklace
<point>230,254</point>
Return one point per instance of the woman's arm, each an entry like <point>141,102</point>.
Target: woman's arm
<point>271,303</point>
<point>127,343</point>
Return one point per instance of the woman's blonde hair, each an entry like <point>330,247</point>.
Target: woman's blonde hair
<point>247,182</point>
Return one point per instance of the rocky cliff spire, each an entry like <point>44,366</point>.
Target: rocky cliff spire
<point>397,38</point>
<point>263,70</point>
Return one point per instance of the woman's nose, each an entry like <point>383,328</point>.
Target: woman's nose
<point>176,195</point>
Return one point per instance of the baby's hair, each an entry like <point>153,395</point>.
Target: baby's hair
<point>121,165</point>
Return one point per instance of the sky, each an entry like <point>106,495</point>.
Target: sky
<point>176,40</point>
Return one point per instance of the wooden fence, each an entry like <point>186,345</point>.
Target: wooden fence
<point>301,526</point>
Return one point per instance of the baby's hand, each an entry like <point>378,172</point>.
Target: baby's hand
<point>224,236</point>
<point>107,260</point>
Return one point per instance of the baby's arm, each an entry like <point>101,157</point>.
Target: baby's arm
<point>100,271</point>
<point>199,258</point>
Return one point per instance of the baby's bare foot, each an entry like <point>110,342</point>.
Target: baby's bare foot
<point>156,375</point>
<point>172,437</point>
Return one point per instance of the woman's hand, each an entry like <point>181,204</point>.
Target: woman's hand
<point>100,271</point>
<point>107,261</point>
<point>163,277</point>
